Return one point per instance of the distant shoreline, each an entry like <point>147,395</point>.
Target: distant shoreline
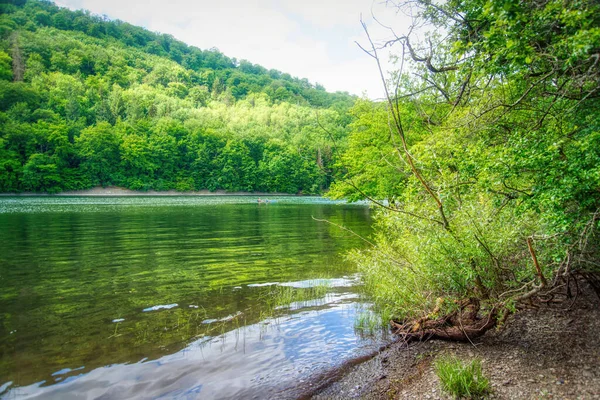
<point>118,191</point>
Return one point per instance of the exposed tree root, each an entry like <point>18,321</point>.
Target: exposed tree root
<point>468,322</point>
<point>462,325</point>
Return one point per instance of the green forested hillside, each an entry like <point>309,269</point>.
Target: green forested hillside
<point>85,101</point>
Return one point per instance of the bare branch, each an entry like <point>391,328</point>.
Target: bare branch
<point>427,60</point>
<point>400,131</point>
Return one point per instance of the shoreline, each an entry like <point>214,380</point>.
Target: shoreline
<point>114,191</point>
<point>551,352</point>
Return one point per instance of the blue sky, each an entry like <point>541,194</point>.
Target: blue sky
<point>311,39</point>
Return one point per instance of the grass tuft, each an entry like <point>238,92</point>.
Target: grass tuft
<point>279,297</point>
<point>462,380</point>
<point>367,322</point>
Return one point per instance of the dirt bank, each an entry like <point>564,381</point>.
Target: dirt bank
<point>118,191</point>
<point>548,353</point>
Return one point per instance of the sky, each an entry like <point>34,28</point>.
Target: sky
<point>313,39</point>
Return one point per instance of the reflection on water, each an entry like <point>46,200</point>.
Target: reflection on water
<point>266,360</point>
<point>154,297</point>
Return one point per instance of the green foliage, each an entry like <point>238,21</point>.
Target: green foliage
<point>5,66</point>
<point>99,148</point>
<point>493,140</point>
<point>106,103</point>
<point>10,168</point>
<point>41,171</point>
<point>462,380</point>
<point>370,157</point>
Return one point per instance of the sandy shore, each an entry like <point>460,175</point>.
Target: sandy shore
<point>118,191</point>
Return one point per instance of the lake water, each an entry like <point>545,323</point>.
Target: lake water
<point>175,297</point>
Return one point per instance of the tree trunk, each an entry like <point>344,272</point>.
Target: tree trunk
<point>17,59</point>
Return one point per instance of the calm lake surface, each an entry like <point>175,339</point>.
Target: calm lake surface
<point>175,297</point>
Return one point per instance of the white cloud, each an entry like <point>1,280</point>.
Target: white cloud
<point>329,13</point>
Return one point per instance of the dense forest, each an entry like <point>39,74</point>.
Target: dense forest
<point>484,163</point>
<point>86,101</point>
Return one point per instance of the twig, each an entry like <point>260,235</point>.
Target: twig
<point>345,229</point>
<point>536,263</point>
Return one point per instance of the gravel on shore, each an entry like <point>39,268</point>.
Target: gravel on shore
<point>552,352</point>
